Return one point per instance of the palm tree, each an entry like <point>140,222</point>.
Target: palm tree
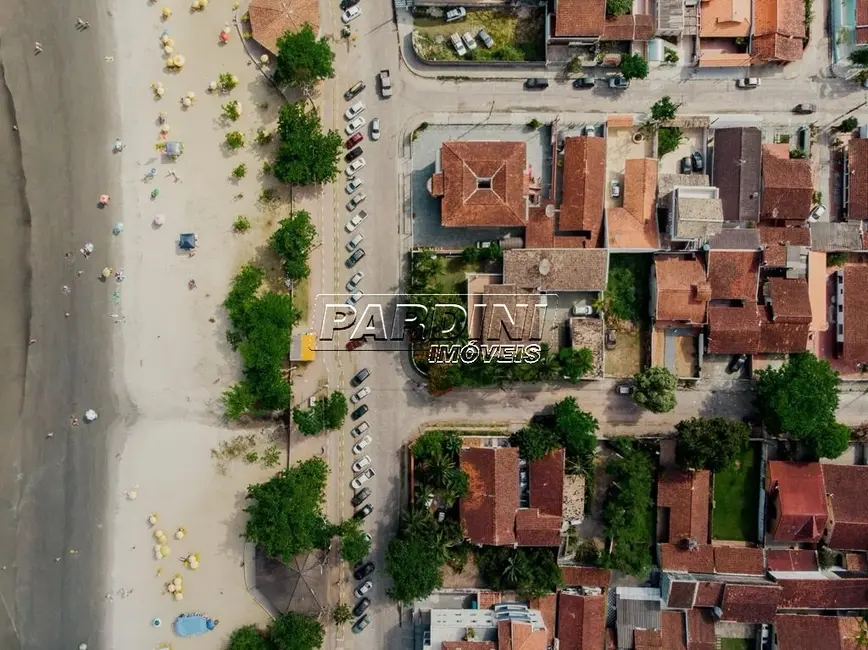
<point>512,569</point>
<point>437,467</point>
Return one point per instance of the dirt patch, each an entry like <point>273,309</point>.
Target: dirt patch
<point>469,578</point>
<point>625,359</point>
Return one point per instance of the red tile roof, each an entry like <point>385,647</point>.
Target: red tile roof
<point>635,224</point>
<point>856,562</point>
<point>788,187</point>
<point>700,630</point>
<point>806,632</point>
<point>547,483</point>
<point>270,19</point>
<point>776,239</point>
<point>849,593</point>
<point>585,576</point>
<point>799,493</point>
<point>790,300</point>
<point>513,635</point>
<point>547,606</point>
<point>734,330</point>
<point>682,289</point>
<point>647,639</point>
<point>779,27</point>
<point>857,154</point>
<point>791,560</point>
<point>750,603</point>
<point>674,636</point>
<point>856,314</point>
<point>734,275</point>
<point>682,594</point>
<point>532,528</point>
<point>739,560</point>
<point>469,645</point>
<point>584,186</point>
<point>677,558</point>
<point>488,510</point>
<point>581,621</point>
<point>847,488</point>
<point>484,183</point>
<point>487,599</point>
<point>709,594</point>
<point>775,47</point>
<point>579,17</point>
<point>629,27</point>
<point>685,494</point>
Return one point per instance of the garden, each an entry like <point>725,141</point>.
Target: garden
<point>625,305</point>
<point>736,498</point>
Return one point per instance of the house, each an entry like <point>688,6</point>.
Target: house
<point>581,620</point>
<point>585,22</point>
<point>778,31</point>
<point>696,215</point>
<point>797,501</point>
<point>788,187</point>
<point>856,176</point>
<point>807,632</point>
<point>556,269</point>
<point>503,313</point>
<point>735,239</point>
<point>827,594</point>
<point>725,27</point>
<point>634,225</point>
<point>636,609</point>
<point>791,560</point>
<point>481,183</point>
<point>782,244</point>
<point>846,489</point>
<point>683,497</point>
<point>736,172</point>
<point>680,290</point>
<point>497,625</point>
<point>270,19</point>
<point>584,186</point>
<point>750,603</point>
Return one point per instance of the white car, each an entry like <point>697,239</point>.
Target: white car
<point>351,14</point>
<point>363,478</point>
<point>354,184</point>
<point>458,45</point>
<point>353,203</point>
<point>355,125</point>
<point>355,166</point>
<point>354,110</point>
<point>817,213</point>
<point>356,221</point>
<point>375,128</point>
<point>365,588</point>
<point>748,82</point>
<point>360,395</point>
<point>361,444</point>
<point>354,298</point>
<point>455,14</point>
<point>354,281</point>
<point>353,244</point>
<point>469,41</point>
<point>355,432</point>
<point>361,464</point>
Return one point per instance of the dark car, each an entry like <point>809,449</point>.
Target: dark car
<point>353,259</point>
<point>362,606</point>
<point>360,496</point>
<point>536,83</point>
<point>584,82</point>
<point>362,623</point>
<point>805,109</point>
<point>698,162</point>
<point>686,166</point>
<point>353,154</point>
<point>359,377</point>
<point>359,412</point>
<point>354,139</point>
<point>357,87</point>
<point>354,344</point>
<point>346,4</point>
<point>364,512</point>
<point>362,571</point>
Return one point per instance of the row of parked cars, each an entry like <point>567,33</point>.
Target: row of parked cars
<point>467,43</point>
<point>616,82</point>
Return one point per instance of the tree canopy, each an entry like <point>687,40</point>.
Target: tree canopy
<point>415,566</point>
<point>305,154</point>
<point>328,413</point>
<point>654,388</point>
<point>860,56</point>
<point>534,441</point>
<point>710,443</point>
<point>633,66</point>
<point>663,109</point>
<point>302,59</point>
<point>799,400</point>
<point>354,545</point>
<point>575,364</point>
<point>295,631</point>
<point>249,637</point>
<point>618,7</point>
<point>292,241</point>
<point>576,430</point>
<point>532,572</point>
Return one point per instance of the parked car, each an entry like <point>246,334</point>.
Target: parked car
<point>616,188</point>
<point>355,125</point>
<point>469,41</point>
<point>624,389</point>
<point>618,83</point>
<point>353,259</point>
<point>359,412</point>
<point>686,165</point>
<point>361,464</point>
<point>355,297</point>
<point>355,166</point>
<point>354,90</point>
<point>360,394</point>
<point>817,213</point>
<point>361,606</point>
<point>363,478</point>
<point>354,344</point>
<point>354,110</point>
<point>486,39</point>
<point>354,202</point>
<point>356,221</point>
<point>352,154</point>
<point>354,281</point>
<point>362,623</point>
<point>356,431</point>
<point>360,377</point>
<point>354,139</point>
<point>584,82</point>
<point>455,14</point>
<point>363,512</point>
<point>748,82</point>
<point>698,162</point>
<point>363,589</point>
<point>375,128</point>
<point>346,4</point>
<point>736,363</point>
<point>582,310</point>
<point>354,184</point>
<point>362,571</point>
<point>536,83</point>
<point>458,45</point>
<point>805,109</point>
<point>351,14</point>
<point>385,83</point>
<point>360,496</point>
<point>357,449</point>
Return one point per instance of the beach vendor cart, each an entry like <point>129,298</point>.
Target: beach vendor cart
<point>174,149</point>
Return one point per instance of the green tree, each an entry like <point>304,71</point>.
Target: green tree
<point>577,432</point>
<point>654,389</point>
<point>342,614</point>
<point>354,545</point>
<point>285,513</point>
<point>292,241</point>
<point>633,66</point>
<point>238,400</point>
<point>574,363</point>
<point>534,441</point>
<point>860,56</point>
<point>302,59</point>
<point>798,154</point>
<point>663,110</point>
<point>668,140</point>
<point>415,567</point>
<point>305,154</point>
<point>710,443</point>
<point>295,631</point>
<point>618,7</point>
<point>799,400</point>
<point>248,637</point>
<point>532,572</point>
<point>335,411</point>
<point>848,125</point>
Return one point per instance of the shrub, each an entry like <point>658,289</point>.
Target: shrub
<point>848,125</point>
<point>668,140</point>
<point>263,137</point>
<point>534,124</point>
<point>798,154</point>
<point>241,224</point>
<point>227,81</point>
<point>235,140</point>
<point>232,110</point>
<point>240,171</point>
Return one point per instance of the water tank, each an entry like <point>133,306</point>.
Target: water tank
<point>655,49</point>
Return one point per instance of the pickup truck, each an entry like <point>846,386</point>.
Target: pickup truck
<point>385,83</point>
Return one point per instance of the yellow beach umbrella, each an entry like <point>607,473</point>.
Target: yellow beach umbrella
<point>179,61</point>
<point>166,13</point>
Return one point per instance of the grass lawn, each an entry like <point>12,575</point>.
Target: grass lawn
<point>518,35</point>
<point>736,499</point>
<point>736,644</point>
<point>453,280</point>
<point>627,292</point>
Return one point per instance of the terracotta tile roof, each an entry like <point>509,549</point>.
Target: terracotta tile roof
<point>673,630</point>
<point>847,487</point>
<point>547,483</point>
<point>791,560</point>
<point>857,155</point>
<point>581,621</point>
<point>685,494</point>
<point>585,576</point>
<point>788,187</point>
<point>512,635</point>
<point>584,186</point>
<point>776,239</point>
<point>783,338</point>
<point>734,330</point>
<point>579,17</point>
<point>483,183</point>
<point>861,12</point>
<point>532,528</point>
<point>647,639</point>
<point>635,224</point>
<point>799,494</point>
<point>629,27</point>
<point>700,630</point>
<point>739,560</point>
<point>742,239</point>
<point>750,603</point>
<point>734,275</point>
<point>269,19</point>
<point>541,232</point>
<point>709,594</point>
<point>510,314</point>
<point>861,32</point>
<point>469,645</point>
<point>547,606</point>
<point>676,558</point>
<point>736,172</point>
<point>805,632</point>
<point>856,562</point>
<point>779,27</point>
<point>790,300</point>
<point>849,593</point>
<point>856,313</point>
<point>487,599</point>
<point>488,510</point>
<point>682,289</point>
<point>553,269</point>
<point>776,47</point>
<point>682,594</point>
